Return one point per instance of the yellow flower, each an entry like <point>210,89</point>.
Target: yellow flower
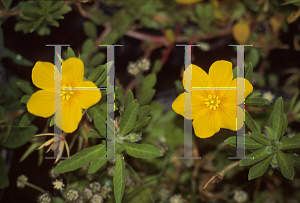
<point>187,1</point>
<point>73,101</point>
<point>213,109</point>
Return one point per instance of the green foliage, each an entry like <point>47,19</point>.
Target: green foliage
<point>278,120</point>
<point>14,137</point>
<point>255,157</point>
<point>254,127</point>
<point>249,142</point>
<point>119,178</point>
<point>286,166</point>
<point>259,169</point>
<point>256,102</point>
<point>80,159</point>
<point>142,150</point>
<point>27,119</point>
<point>39,16</point>
<point>128,120</point>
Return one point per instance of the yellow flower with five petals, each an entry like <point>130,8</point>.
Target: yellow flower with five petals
<point>72,101</point>
<point>213,109</point>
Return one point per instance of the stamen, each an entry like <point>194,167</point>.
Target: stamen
<point>212,102</point>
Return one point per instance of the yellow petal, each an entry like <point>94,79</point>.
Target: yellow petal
<point>41,103</point>
<point>43,75</point>
<point>220,74</point>
<point>198,79</point>
<point>207,123</point>
<point>228,117</point>
<point>72,72</point>
<point>178,106</point>
<point>197,105</point>
<point>241,32</point>
<point>71,116</point>
<point>87,98</point>
<point>240,82</point>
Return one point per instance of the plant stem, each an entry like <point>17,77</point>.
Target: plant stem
<point>219,176</point>
<point>35,187</point>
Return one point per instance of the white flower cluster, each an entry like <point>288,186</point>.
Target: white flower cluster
<point>142,65</point>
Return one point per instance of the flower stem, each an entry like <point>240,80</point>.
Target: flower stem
<point>35,187</point>
<point>219,176</point>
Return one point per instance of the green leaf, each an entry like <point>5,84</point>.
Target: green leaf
<point>100,120</point>
<point>295,159</point>
<point>18,136</point>
<point>157,66</point>
<point>65,9</point>
<point>291,143</point>
<point>37,24</point>
<point>88,46</point>
<point>179,86</point>
<point>261,139</point>
<point>256,102</point>
<point>128,120</point>
<point>144,111</point>
<point>128,99</point>
<point>141,123</point>
<point>142,150</point>
<point>80,159</point>
<point>119,178</point>
<point>249,143</point>
<point>4,181</point>
<point>277,121</point>
<point>149,82</point>
<point>285,165</point>
<point>96,73</point>
<point>27,119</point>
<point>25,98</point>
<point>90,29</point>
<point>58,199</point>
<point>238,10</point>
<point>259,169</point>
<point>146,97</point>
<point>51,122</point>
<point>29,150</point>
<point>97,59</point>
<point>252,56</point>
<point>234,73</point>
<point>258,155</point>
<point>248,71</point>
<point>25,87</point>
<point>56,6</point>
<point>271,133</point>
<point>31,10</point>
<point>251,123</point>
<point>70,53</point>
<point>93,134</point>
<point>98,163</point>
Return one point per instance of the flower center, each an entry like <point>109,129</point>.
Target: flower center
<point>212,102</point>
<point>66,92</point>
